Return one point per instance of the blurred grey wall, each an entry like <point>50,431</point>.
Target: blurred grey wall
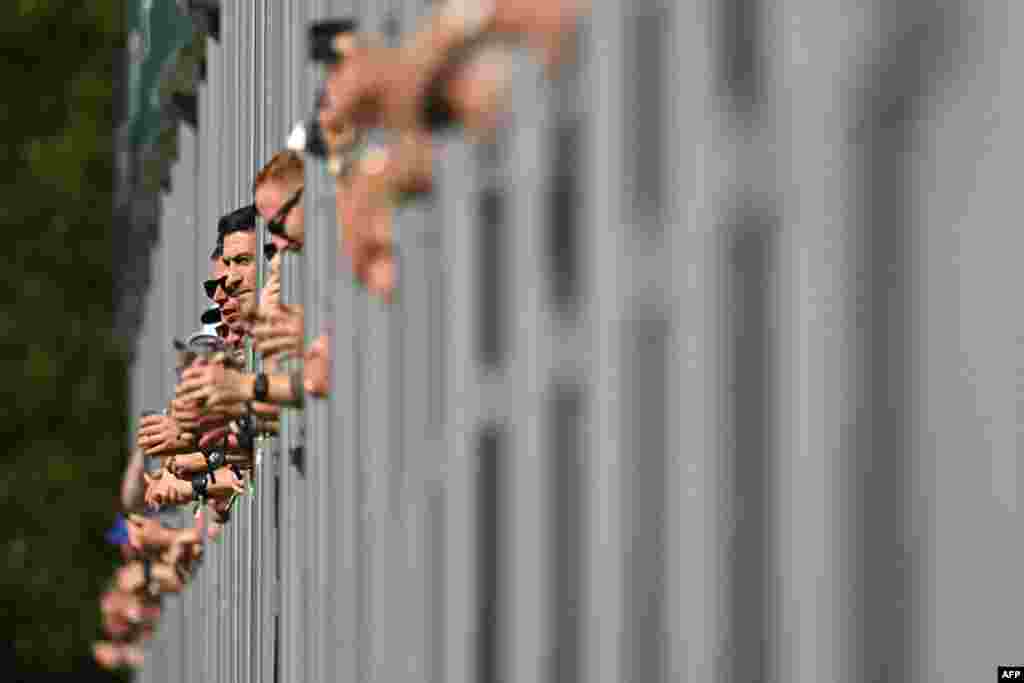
<point>708,369</point>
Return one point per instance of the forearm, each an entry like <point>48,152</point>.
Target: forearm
<point>279,392</point>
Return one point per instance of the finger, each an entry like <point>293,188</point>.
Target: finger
<point>198,395</point>
<point>156,426</point>
<point>260,330</point>
<point>189,385</point>
<point>228,406</point>
<point>152,419</point>
<point>277,335</point>
<point>191,414</point>
<point>213,437</point>
<point>194,371</point>
<point>279,344</point>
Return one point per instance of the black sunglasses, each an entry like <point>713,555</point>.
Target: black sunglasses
<point>275,226</point>
<point>211,286</point>
<point>269,250</point>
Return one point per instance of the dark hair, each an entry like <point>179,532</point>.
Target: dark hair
<point>239,220</point>
<point>218,250</point>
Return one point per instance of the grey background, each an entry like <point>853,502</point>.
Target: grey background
<point>707,370</point>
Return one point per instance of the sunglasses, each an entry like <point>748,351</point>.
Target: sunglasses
<point>275,226</point>
<point>211,286</point>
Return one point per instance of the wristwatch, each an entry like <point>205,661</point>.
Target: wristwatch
<point>260,387</point>
<point>199,487</point>
<point>214,461</point>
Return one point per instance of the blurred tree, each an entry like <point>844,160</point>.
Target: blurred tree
<point>63,392</point>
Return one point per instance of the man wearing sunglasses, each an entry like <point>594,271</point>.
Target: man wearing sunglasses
<point>215,286</point>
<point>278,194</point>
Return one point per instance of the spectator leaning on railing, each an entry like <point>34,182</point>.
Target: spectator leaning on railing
<point>454,71</point>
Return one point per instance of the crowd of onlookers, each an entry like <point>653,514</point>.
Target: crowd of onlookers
<point>198,450</point>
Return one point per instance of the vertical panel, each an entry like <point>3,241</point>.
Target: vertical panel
<point>490,448</point>
<point>644,364</point>
<point>526,177</point>
<point>602,203</point>
<point>966,339</point>
<point>461,398</point>
<point>814,511</point>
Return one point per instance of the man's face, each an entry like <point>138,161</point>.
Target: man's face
<point>240,263</point>
<point>270,197</point>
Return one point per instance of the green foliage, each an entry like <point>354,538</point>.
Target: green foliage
<point>63,392</point>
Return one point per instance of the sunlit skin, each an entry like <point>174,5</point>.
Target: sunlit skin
<point>341,132</point>
<point>280,330</point>
<point>133,485</point>
<point>280,327</point>
<point>240,260</point>
<point>112,656</point>
<point>365,208</point>
<point>169,490</point>
<point>382,86</point>
<point>131,578</point>
<point>316,374</point>
<point>271,195</point>
<point>270,294</point>
<point>151,536</point>
<point>162,435</point>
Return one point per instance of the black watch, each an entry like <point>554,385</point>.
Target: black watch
<point>260,387</point>
<point>214,461</point>
<point>199,486</point>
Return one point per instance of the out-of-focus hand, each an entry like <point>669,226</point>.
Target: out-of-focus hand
<point>198,376</point>
<point>214,528</point>
<point>146,534</point>
<point>226,484</point>
<point>124,612</point>
<point>183,551</point>
<point>279,331</point>
<point>111,656</point>
<point>366,211</point>
<point>547,26</point>
<point>377,86</point>
<point>186,414</point>
<point>131,578</point>
<point>187,465</point>
<point>217,389</point>
<point>220,507</point>
<point>168,491</point>
<point>478,90</point>
<point>355,91</point>
<point>133,486</point>
<point>316,370</point>
<point>162,435</point>
<point>216,437</point>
